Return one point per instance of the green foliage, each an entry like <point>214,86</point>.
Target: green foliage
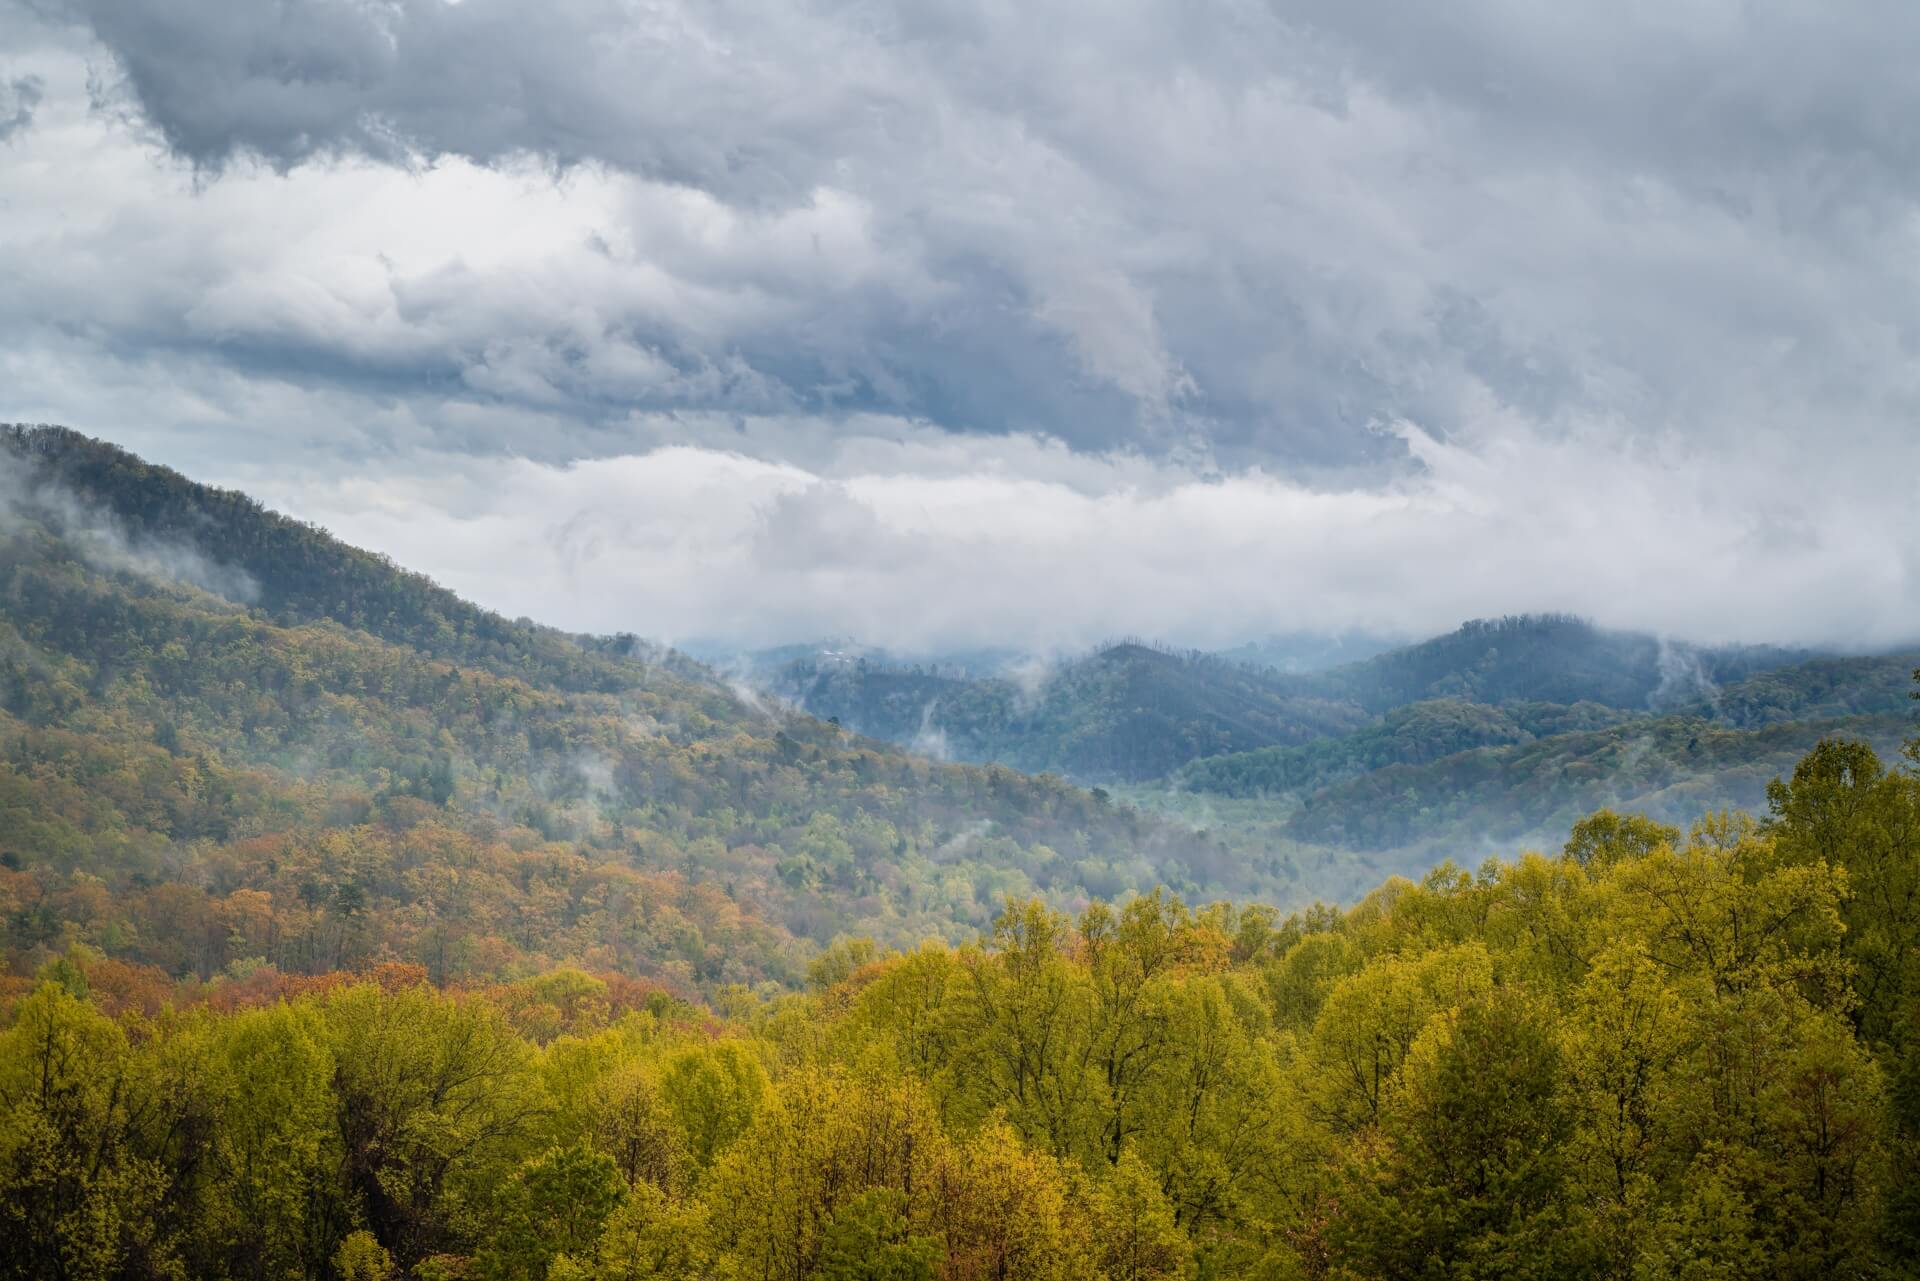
<point>361,1258</point>
<point>713,1093</point>
<point>1842,806</point>
<point>558,1203</point>
<point>1603,838</point>
<point>1470,1175</point>
<point>1138,1235</point>
<point>1411,735</point>
<point>870,1239</point>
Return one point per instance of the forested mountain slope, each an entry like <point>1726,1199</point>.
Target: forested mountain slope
<point>1409,735</point>
<point>1451,771</point>
<point>1125,712</point>
<point>1498,731</point>
<point>121,513</point>
<point>1816,689</point>
<point>227,738</point>
<point>354,952</point>
<point>1670,767</point>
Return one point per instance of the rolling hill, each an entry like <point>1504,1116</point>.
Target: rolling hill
<point>227,739</point>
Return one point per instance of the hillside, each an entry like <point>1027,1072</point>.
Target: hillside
<point>1451,770</point>
<point>1495,732</point>
<point>1819,688</point>
<point>1303,652</point>
<point>1673,768</point>
<point>1125,712</point>
<point>237,740</point>
<point>348,953</point>
<point>1409,735</point>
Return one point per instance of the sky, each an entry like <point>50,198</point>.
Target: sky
<point>952,324</point>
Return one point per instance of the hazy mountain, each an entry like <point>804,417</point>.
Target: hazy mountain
<point>1550,658</point>
<point>1672,768</point>
<point>262,677</point>
<point>1132,712</point>
<point>764,667</point>
<point>1128,711</point>
<point>1410,735</point>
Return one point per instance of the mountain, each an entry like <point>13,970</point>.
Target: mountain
<point>763,667</point>
<point>239,740</point>
<point>1456,770</point>
<point>1549,658</point>
<point>201,699</point>
<point>1126,712</point>
<point>1817,689</point>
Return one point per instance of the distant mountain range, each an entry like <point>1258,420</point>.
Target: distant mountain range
<point>1498,730</point>
<point>1153,709</point>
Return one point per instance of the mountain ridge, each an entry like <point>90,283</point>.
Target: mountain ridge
<point>579,763</point>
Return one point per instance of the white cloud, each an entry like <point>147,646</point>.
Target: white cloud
<point>684,542</point>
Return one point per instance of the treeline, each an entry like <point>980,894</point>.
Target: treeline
<point>1444,772</point>
<point>1647,1057</point>
<point>1411,735</point>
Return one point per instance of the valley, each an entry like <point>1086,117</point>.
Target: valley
<point>359,932</point>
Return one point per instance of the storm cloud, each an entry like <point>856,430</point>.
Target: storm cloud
<point>1323,314</point>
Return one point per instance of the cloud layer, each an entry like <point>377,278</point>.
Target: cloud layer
<point>1002,322</point>
<point>923,546</point>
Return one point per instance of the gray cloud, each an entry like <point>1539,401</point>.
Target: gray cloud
<point>1245,229</point>
<point>1112,253</point>
<point>18,98</point>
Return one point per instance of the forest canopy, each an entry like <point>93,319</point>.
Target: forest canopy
<point>1649,1055</point>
